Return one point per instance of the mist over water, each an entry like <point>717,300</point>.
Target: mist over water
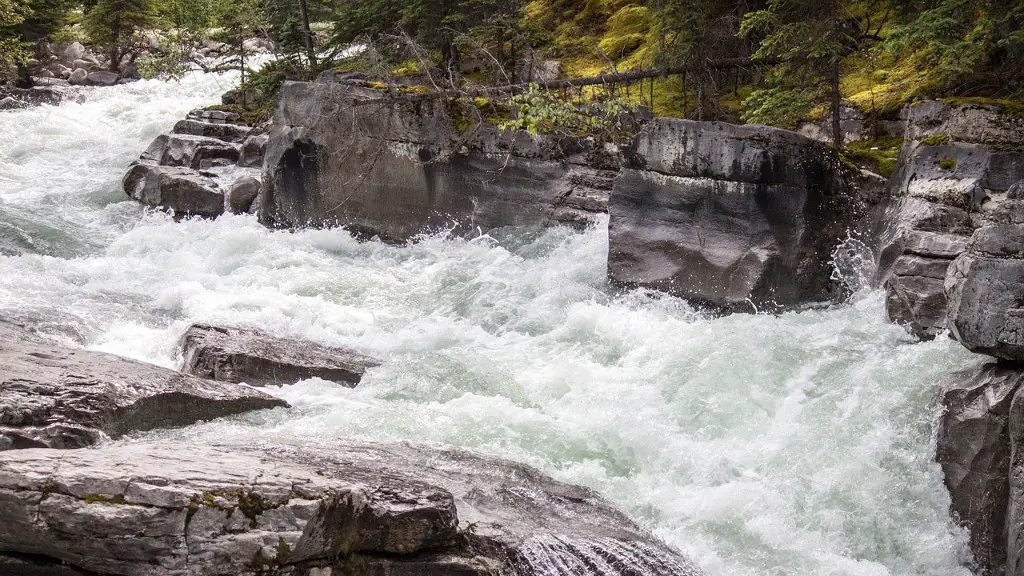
<point>761,445</point>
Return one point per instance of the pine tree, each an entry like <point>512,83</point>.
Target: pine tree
<point>116,26</point>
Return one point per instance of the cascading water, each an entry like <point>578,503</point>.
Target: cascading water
<point>761,445</point>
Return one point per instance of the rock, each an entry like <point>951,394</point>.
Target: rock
<point>985,291</point>
<point>88,65</point>
<point>196,152</point>
<point>1015,509</point>
<point>10,103</point>
<point>58,397</point>
<point>968,122</point>
<point>219,130</point>
<point>175,188</point>
<point>341,507</point>
<point>44,73</point>
<point>78,77</point>
<point>738,217</point>
<point>944,184</point>
<point>973,448</point>
<point>241,194</point>
<point>233,354</point>
<point>130,71</point>
<point>254,148</point>
<point>102,78</point>
<point>256,45</point>
<point>71,52</point>
<point>396,172</point>
<point>214,116</point>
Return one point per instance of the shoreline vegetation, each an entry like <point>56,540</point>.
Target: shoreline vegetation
<point>542,65</point>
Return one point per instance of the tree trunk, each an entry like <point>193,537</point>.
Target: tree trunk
<point>837,133</point>
<point>307,35</point>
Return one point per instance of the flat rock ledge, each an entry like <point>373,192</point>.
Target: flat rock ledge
<point>236,354</point>
<point>343,507</point>
<point>58,397</point>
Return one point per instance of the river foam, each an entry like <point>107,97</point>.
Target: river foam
<point>761,445</point>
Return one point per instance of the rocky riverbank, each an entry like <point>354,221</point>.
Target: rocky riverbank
<point>162,508</point>
<point>735,217</point>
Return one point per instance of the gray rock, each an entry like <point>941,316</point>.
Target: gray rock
<point>167,509</point>
<point>973,448</point>
<point>10,103</point>
<point>58,397</point>
<point>86,64</point>
<point>941,193</point>
<point>219,130</point>
<point>71,52</point>
<point>213,116</point>
<point>733,216</point>
<point>965,123</point>
<point>234,354</point>
<point>985,290</point>
<point>254,148</point>
<point>196,152</point>
<point>1015,510</point>
<point>394,172</point>
<point>78,77</point>
<point>178,189</point>
<point>241,194</point>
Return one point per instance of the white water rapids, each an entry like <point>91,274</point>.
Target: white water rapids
<point>761,445</point>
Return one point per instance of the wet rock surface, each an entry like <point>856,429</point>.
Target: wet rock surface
<point>179,189</point>
<point>179,171</point>
<point>973,448</point>
<point>338,157</point>
<point>235,354</point>
<point>985,291</point>
<point>953,174</point>
<point>733,216</point>
<point>341,507</point>
<point>59,397</point>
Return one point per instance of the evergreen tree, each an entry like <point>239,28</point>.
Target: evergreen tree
<point>808,39</point>
<point>966,46</point>
<point>116,25</point>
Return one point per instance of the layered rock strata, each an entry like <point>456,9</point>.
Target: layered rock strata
<point>58,397</point>
<point>344,507</point>
<point>344,155</point>
<point>235,354</point>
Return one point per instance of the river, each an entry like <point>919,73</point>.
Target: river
<point>761,445</point>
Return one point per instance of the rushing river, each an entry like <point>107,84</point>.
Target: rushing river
<point>761,445</point>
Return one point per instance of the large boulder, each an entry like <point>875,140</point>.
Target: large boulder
<point>219,130</point>
<point>180,190</point>
<point>58,397</point>
<point>973,448</point>
<point>235,354</point>
<point>732,216</point>
<point>344,155</point>
<point>196,152</point>
<point>956,165</point>
<point>344,507</point>
<point>102,78</point>
<point>985,290</point>
<point>71,52</point>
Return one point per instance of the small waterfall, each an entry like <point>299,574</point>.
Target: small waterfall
<point>550,555</point>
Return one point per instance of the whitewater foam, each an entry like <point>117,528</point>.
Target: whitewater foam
<point>792,444</point>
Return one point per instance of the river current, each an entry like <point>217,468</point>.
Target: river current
<point>761,445</point>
